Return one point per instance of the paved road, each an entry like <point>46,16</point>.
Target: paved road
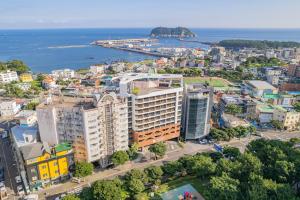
<point>189,149</point>
<point>8,162</point>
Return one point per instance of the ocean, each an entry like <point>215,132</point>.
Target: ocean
<point>49,49</point>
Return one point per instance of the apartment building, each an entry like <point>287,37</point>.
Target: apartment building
<point>63,73</point>
<point>197,107</point>
<point>8,76</point>
<point>289,117</point>
<point>154,106</point>
<point>294,70</point>
<point>247,104</point>
<point>8,107</point>
<point>26,77</point>
<point>97,126</point>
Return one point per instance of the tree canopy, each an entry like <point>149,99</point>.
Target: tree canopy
<point>83,169</point>
<point>159,149</point>
<point>119,158</point>
<point>14,65</point>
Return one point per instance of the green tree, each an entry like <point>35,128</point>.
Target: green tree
<point>297,106</point>
<point>284,171</point>
<point>109,190</point>
<point>136,186</point>
<point>83,169</point>
<point>133,151</point>
<point>31,106</point>
<point>137,174</point>
<point>278,191</point>
<point>277,124</point>
<point>12,90</point>
<point>231,152</point>
<point>18,66</point>
<point>249,165</point>
<point>141,196</point>
<point>86,194</point>
<point>219,134</point>
<point>233,109</point>
<point>172,168</point>
<point>154,173</point>
<point>225,187</point>
<point>229,167</point>
<point>71,197</point>
<point>159,149</point>
<point>119,158</point>
<point>203,166</point>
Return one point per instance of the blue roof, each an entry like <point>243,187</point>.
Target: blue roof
<point>20,132</point>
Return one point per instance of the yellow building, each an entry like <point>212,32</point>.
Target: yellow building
<point>46,165</point>
<point>26,77</point>
<point>289,118</point>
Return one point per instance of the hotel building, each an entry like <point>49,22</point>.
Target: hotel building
<point>154,106</point>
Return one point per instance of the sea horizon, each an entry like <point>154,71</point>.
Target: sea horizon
<point>44,50</point>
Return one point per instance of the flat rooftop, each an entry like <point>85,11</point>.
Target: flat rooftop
<point>68,102</point>
<point>25,114</point>
<point>151,90</point>
<point>261,85</point>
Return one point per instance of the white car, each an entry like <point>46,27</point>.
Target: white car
<point>20,190</point>
<point>18,179</point>
<point>2,185</point>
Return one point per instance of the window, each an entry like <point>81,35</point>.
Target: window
<point>44,167</point>
<point>55,163</point>
<point>45,175</point>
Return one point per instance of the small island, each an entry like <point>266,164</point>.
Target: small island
<point>179,32</point>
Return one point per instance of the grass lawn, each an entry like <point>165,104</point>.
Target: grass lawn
<point>199,185</point>
<point>214,82</point>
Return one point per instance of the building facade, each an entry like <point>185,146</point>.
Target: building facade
<point>289,118</point>
<point>26,77</point>
<point>197,106</point>
<point>8,76</point>
<point>63,73</point>
<point>154,106</point>
<point>257,88</point>
<point>96,126</point>
<point>8,107</point>
<point>45,165</point>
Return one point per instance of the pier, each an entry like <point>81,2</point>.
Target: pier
<point>132,45</point>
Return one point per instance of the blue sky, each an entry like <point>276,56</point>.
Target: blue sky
<point>149,13</point>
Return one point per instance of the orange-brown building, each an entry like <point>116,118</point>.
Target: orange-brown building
<point>154,104</point>
<point>294,70</point>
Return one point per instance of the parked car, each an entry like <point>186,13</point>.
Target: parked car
<point>4,134</point>
<point>2,185</point>
<point>20,190</point>
<point>31,197</point>
<point>18,179</point>
<point>203,141</point>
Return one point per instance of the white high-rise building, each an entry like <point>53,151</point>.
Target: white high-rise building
<point>97,127</point>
